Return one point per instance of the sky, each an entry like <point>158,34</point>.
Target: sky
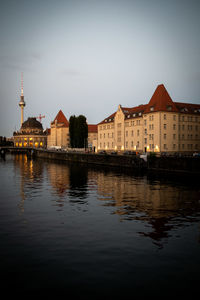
<point>88,56</point>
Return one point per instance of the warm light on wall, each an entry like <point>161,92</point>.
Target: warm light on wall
<point>41,143</point>
<point>36,144</point>
<point>122,147</point>
<point>25,144</point>
<point>115,147</point>
<point>20,144</point>
<point>17,144</point>
<point>148,148</point>
<point>156,148</point>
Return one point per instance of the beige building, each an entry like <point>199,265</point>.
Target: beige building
<point>162,125</point>
<point>92,136</point>
<point>59,132</point>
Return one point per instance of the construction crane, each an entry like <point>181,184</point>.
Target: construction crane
<point>40,117</point>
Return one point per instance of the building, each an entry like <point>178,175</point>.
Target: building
<point>92,136</point>
<point>31,134</point>
<point>59,132</point>
<point>59,136</point>
<point>162,125</point>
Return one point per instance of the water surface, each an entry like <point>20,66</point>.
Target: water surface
<point>74,230</point>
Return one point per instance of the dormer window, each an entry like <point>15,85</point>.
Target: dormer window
<point>140,114</point>
<point>128,116</point>
<point>169,107</point>
<point>152,108</point>
<point>134,115</point>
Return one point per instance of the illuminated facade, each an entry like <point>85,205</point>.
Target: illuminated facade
<point>31,134</point>
<point>162,125</point>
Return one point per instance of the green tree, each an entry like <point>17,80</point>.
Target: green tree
<point>78,130</point>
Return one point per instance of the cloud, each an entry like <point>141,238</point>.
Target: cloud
<point>20,61</point>
<point>70,72</point>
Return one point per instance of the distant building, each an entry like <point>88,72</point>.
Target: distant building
<point>162,125</point>
<point>31,134</point>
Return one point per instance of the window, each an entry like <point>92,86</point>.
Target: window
<point>132,133</point>
<point>138,132</point>
<point>126,144</point>
<point>165,136</point>
<point>174,126</point>
<point>165,117</point>
<point>126,133</point>
<point>174,117</point>
<point>165,146</point>
<point>174,136</point>
<point>165,126</point>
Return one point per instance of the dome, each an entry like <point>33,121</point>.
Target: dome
<point>32,123</point>
<point>31,126</point>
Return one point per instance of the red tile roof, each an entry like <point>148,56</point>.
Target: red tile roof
<point>92,128</point>
<point>61,119</point>
<point>188,108</point>
<point>161,101</point>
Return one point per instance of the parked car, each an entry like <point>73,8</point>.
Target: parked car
<point>102,152</point>
<point>113,152</point>
<point>129,152</point>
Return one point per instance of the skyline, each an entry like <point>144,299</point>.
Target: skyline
<point>87,57</point>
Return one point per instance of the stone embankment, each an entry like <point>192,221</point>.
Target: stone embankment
<point>170,164</point>
<point>123,161</point>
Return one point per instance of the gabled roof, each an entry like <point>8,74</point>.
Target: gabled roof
<point>61,119</point>
<point>161,101</point>
<point>110,119</point>
<point>92,128</point>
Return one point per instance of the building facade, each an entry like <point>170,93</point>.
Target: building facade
<point>59,132</point>
<point>31,134</point>
<point>162,125</point>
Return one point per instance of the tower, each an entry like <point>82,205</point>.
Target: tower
<point>22,103</point>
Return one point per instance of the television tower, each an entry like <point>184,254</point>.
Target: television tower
<point>22,103</point>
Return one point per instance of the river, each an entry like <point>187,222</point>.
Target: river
<point>73,230</point>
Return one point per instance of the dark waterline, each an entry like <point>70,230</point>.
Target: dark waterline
<point>92,232</point>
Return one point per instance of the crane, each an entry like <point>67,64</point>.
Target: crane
<point>40,117</point>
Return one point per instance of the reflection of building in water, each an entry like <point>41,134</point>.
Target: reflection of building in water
<point>137,198</point>
<point>31,174</point>
<point>59,177</point>
<point>70,179</point>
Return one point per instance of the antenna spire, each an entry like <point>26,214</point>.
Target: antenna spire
<point>22,88</point>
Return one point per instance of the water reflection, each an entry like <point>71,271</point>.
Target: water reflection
<point>161,204</point>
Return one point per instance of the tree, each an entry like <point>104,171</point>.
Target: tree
<point>78,130</point>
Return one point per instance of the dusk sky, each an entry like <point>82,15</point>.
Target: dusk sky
<point>88,56</point>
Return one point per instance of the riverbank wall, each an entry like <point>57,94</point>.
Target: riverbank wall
<point>122,161</point>
<point>175,165</point>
